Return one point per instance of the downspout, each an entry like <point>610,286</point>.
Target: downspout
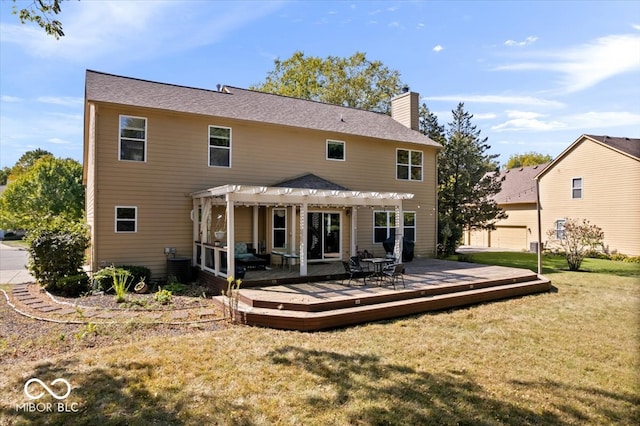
<point>539,248</point>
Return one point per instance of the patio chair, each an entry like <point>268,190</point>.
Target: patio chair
<point>354,273</point>
<point>355,261</point>
<point>393,272</point>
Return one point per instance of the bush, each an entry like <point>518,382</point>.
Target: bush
<point>56,248</point>
<point>73,285</point>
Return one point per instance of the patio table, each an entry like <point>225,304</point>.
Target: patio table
<point>378,265</point>
<point>286,257</point>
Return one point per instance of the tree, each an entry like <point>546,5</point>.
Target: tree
<point>26,161</point>
<point>577,240</point>
<point>353,82</point>
<point>51,187</point>
<point>527,159</point>
<point>467,181</point>
<point>4,175</point>
<point>42,12</point>
<point>429,126</point>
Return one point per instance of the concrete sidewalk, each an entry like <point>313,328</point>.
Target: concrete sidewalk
<point>18,276</point>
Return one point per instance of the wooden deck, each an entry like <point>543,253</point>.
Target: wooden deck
<point>327,302</point>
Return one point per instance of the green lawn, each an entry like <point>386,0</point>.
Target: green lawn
<point>551,263</point>
<point>560,358</point>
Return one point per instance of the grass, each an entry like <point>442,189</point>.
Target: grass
<point>551,263</point>
<point>569,357</point>
<point>16,243</point>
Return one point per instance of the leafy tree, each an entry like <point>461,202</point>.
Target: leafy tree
<point>578,239</point>
<point>51,187</point>
<point>467,181</point>
<point>27,160</point>
<point>42,12</point>
<point>4,175</point>
<point>354,82</point>
<point>527,159</point>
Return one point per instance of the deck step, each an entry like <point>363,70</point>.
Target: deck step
<point>357,312</point>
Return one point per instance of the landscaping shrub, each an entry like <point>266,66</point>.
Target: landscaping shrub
<point>73,285</point>
<point>56,248</point>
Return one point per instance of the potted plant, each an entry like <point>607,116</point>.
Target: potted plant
<point>220,224</point>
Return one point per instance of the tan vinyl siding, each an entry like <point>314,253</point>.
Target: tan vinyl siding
<point>177,165</point>
<point>610,182</point>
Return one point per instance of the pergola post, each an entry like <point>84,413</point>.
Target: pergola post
<point>231,262</point>
<point>303,240</point>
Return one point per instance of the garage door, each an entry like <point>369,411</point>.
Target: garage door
<point>511,237</point>
<point>478,238</point>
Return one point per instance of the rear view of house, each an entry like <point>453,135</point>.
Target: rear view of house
<point>167,166</point>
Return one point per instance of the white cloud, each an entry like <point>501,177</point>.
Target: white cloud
<point>69,101</point>
<point>498,99</point>
<point>98,29</point>
<point>524,120</point>
<point>532,121</point>
<point>636,27</point>
<point>485,116</point>
<point>438,48</point>
<point>527,41</point>
<point>585,66</point>
<point>58,141</point>
<point>9,99</point>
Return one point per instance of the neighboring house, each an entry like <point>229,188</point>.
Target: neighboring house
<point>165,166</point>
<point>596,178</point>
<point>517,197</point>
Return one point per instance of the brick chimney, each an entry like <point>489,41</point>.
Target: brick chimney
<point>404,108</point>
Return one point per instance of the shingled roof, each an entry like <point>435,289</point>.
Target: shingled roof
<point>241,104</point>
<point>626,145</point>
<point>518,185</point>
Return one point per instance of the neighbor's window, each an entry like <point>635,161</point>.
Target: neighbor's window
<point>384,225</point>
<point>576,188</point>
<point>335,150</point>
<point>279,228</point>
<point>133,138</point>
<point>560,229</point>
<point>126,219</point>
<point>408,164</point>
<point>219,146</point>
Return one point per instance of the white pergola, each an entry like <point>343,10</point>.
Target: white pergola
<point>232,196</point>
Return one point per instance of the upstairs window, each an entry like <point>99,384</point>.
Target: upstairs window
<point>409,164</point>
<point>576,188</point>
<point>133,138</point>
<point>126,219</point>
<point>219,146</point>
<point>335,150</point>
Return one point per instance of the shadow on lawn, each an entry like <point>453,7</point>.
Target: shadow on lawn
<point>97,397</point>
<point>378,393</point>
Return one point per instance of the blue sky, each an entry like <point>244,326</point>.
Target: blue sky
<point>535,75</point>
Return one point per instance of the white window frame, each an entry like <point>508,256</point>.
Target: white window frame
<point>120,138</point>
<point>393,225</point>
<point>560,228</point>
<point>209,146</point>
<point>410,165</point>
<point>574,187</point>
<point>274,229</point>
<point>134,220</point>
<point>344,150</point>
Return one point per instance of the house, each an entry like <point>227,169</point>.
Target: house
<point>169,167</point>
<point>518,198</point>
<point>596,178</point>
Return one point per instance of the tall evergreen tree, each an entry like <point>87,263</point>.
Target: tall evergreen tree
<point>429,126</point>
<point>467,181</point>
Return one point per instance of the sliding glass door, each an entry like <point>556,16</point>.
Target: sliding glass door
<point>324,236</point>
